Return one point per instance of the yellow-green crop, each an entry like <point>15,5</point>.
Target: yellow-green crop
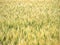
<point>29,22</point>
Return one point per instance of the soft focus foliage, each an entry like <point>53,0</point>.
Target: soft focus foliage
<point>29,22</point>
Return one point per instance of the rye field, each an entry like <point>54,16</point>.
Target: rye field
<point>29,22</point>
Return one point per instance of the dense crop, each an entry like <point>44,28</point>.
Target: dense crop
<point>29,22</point>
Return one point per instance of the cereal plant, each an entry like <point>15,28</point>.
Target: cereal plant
<point>29,22</point>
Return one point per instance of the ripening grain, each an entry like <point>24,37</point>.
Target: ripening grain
<point>33,22</point>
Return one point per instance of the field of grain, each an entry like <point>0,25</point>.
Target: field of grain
<point>29,22</point>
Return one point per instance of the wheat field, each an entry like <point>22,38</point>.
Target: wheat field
<point>29,22</point>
